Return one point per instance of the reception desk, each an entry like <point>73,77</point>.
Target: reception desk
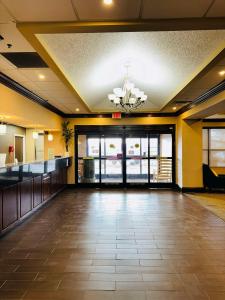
<point>26,187</point>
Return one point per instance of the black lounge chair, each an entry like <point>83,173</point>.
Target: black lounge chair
<point>211,180</point>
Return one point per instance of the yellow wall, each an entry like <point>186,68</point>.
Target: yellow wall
<point>30,146</point>
<point>189,149</point>
<point>21,111</point>
<point>57,145</point>
<point>25,112</point>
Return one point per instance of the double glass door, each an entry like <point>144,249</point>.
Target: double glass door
<point>100,159</point>
<point>125,159</point>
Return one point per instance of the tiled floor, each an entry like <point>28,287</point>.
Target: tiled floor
<point>122,245</point>
<point>213,202</point>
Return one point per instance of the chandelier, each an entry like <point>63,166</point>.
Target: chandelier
<point>129,97</point>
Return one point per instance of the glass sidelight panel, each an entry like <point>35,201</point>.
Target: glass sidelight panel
<point>111,160</point>
<point>88,159</point>
<point>161,165</point>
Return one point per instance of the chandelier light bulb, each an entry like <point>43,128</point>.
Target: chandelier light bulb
<point>140,94</point>
<point>117,100</point>
<point>118,92</point>
<point>135,91</point>
<point>132,100</point>
<point>111,97</point>
<point>144,97</point>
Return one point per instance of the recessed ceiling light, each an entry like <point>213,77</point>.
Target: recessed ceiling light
<point>222,73</point>
<point>174,108</point>
<point>108,2</point>
<point>77,109</point>
<point>41,76</point>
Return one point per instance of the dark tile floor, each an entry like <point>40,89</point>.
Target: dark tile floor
<point>109,244</point>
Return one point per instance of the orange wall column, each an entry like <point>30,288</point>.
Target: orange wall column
<point>189,154</point>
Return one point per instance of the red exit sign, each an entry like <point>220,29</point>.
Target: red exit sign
<point>116,115</point>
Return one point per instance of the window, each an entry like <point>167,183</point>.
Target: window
<point>214,147</point>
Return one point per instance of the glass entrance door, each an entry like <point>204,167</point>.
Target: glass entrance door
<point>111,160</point>
<point>136,159</point>
<point>125,158</point>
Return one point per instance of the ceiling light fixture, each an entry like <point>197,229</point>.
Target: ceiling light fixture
<point>35,135</point>
<point>77,109</point>
<point>108,2</point>
<point>174,108</point>
<point>41,76</point>
<point>129,97</point>
<point>3,129</point>
<point>222,73</point>
<point>50,137</point>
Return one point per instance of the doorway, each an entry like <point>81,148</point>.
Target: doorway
<point>19,148</point>
<point>125,155</point>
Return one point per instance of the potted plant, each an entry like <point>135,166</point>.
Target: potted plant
<point>67,134</point>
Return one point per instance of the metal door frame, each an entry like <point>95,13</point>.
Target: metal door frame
<point>124,132</point>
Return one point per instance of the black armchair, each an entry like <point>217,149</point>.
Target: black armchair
<point>211,179</point>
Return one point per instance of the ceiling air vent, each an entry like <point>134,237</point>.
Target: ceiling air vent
<point>25,59</point>
<point>183,101</point>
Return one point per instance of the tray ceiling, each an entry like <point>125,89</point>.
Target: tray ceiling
<point>161,63</point>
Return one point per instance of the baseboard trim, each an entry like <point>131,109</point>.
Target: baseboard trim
<point>191,189</point>
<point>129,186</point>
<point>71,186</point>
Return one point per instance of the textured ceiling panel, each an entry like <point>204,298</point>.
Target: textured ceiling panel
<point>156,9</point>
<point>15,75</point>
<point>209,80</point>
<point>60,94</point>
<point>217,9</point>
<point>4,15</point>
<point>14,37</point>
<point>95,9</point>
<point>33,75</point>
<point>41,10</point>
<point>50,85</point>
<point>68,100</point>
<point>161,63</point>
<point>217,116</point>
<point>5,64</point>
